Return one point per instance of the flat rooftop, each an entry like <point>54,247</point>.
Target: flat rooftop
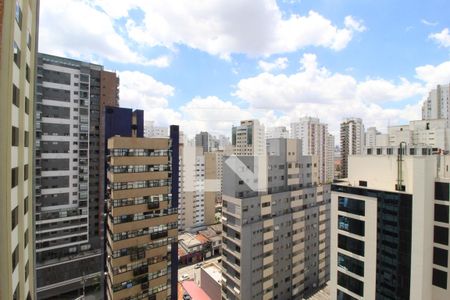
<point>214,271</point>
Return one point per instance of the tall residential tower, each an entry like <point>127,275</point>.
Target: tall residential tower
<point>18,36</point>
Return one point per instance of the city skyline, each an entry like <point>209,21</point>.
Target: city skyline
<point>210,77</point>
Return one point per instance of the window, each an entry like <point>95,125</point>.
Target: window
<point>15,258</point>
<point>27,105</point>
<point>27,73</point>
<point>16,96</point>
<point>441,213</point>
<point>350,283</point>
<point>16,52</point>
<point>351,225</point>
<point>14,217</point>
<point>14,177</point>
<point>15,136</point>
<point>25,239</point>
<point>16,295</point>
<point>362,183</point>
<point>351,264</point>
<point>27,269</point>
<point>440,257</point>
<point>441,191</point>
<point>18,14</point>
<point>353,206</point>
<point>440,278</point>
<point>441,235</point>
<point>25,172</point>
<point>351,244</point>
<point>25,138</point>
<point>343,296</point>
<point>25,205</point>
<point>29,41</point>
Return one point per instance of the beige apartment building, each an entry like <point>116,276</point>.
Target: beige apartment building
<point>142,219</point>
<point>18,35</point>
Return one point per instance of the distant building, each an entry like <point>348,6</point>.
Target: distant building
<point>437,105</point>
<point>275,242</point>
<point>277,132</point>
<point>352,141</point>
<point>316,141</point>
<point>249,138</point>
<point>390,227</point>
<point>150,130</point>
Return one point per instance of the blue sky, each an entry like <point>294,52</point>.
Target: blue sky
<point>208,64</point>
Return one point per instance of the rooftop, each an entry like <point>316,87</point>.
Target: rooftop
<point>196,293</point>
<point>214,271</point>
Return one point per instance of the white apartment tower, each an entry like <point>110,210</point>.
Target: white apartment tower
<point>436,106</point>
<point>316,141</point>
<point>150,130</point>
<point>249,138</point>
<point>352,141</point>
<point>277,132</point>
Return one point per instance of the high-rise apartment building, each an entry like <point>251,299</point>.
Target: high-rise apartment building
<point>437,105</point>
<point>248,138</point>
<point>206,141</point>
<point>352,141</point>
<point>275,242</point>
<point>18,37</point>
<point>142,195</point>
<point>316,141</point>
<point>390,228</point>
<point>70,102</point>
<point>150,130</point>
<point>277,132</point>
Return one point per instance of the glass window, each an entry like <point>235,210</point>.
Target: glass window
<point>18,14</point>
<point>27,73</point>
<point>15,258</point>
<point>14,177</point>
<point>350,283</point>
<point>441,213</point>
<point>441,235</point>
<point>29,41</point>
<point>25,172</point>
<point>14,218</point>
<point>15,136</point>
<point>351,264</point>
<point>25,138</point>
<point>441,191</point>
<point>440,257</point>
<point>16,52</point>
<point>27,105</point>
<point>351,244</point>
<point>353,206</point>
<point>343,296</point>
<point>351,225</point>
<point>16,95</point>
<point>440,278</point>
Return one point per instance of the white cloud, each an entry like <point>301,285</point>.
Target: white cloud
<point>224,27</point>
<point>315,91</point>
<point>77,29</point>
<point>280,63</point>
<point>442,38</point>
<point>428,23</point>
<point>354,24</point>
<point>433,75</point>
<point>143,91</point>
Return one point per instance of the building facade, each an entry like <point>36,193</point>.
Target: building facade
<point>277,132</point>
<point>316,141</point>
<point>390,228</point>
<point>248,138</point>
<point>70,100</point>
<point>275,243</point>
<point>142,195</point>
<point>18,44</point>
<point>352,141</point>
<point>436,106</point>
<point>150,130</point>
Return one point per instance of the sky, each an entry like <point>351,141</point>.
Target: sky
<point>207,64</point>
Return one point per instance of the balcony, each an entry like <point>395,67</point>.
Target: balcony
<point>158,235</point>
